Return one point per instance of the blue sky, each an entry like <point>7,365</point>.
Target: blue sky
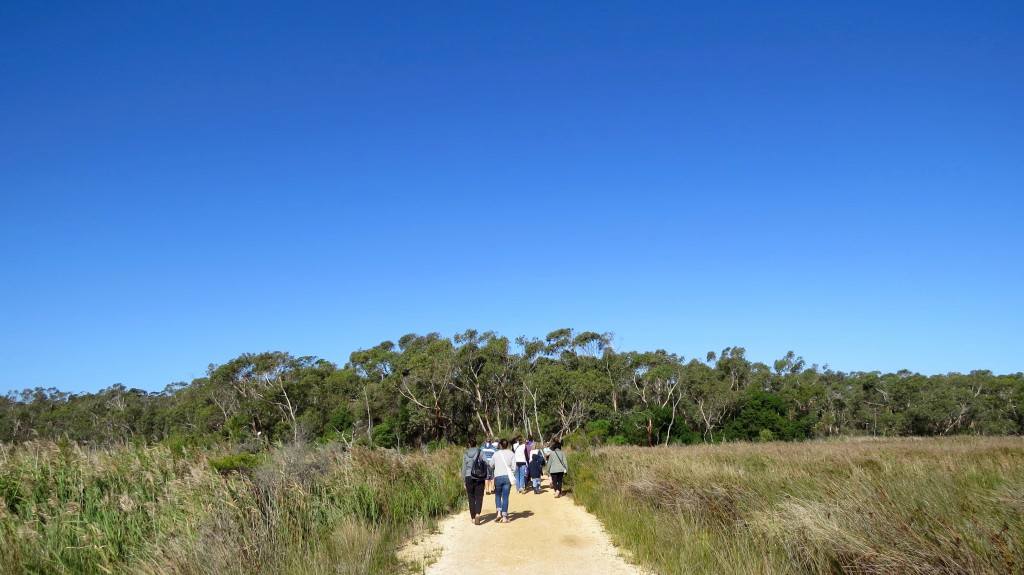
<point>182,183</point>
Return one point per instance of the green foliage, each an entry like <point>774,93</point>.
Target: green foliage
<point>618,440</point>
<point>429,388</point>
<point>385,434</point>
<point>764,412</point>
<point>598,430</point>
<point>141,510</point>
<point>236,462</point>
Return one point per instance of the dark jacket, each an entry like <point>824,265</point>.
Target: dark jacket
<point>537,462</point>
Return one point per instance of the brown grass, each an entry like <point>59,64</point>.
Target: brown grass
<point>928,506</point>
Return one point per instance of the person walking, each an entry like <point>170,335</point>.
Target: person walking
<point>537,461</point>
<point>529,447</point>
<point>520,454</point>
<point>474,473</point>
<point>489,449</point>
<point>503,465</point>
<point>557,467</point>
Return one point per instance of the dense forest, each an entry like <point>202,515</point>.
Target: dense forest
<point>428,388</point>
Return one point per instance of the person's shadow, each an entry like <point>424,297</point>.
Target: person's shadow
<point>514,515</point>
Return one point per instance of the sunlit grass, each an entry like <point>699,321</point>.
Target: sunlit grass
<point>66,509</point>
<point>855,506</point>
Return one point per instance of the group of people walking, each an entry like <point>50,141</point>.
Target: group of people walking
<point>498,467</point>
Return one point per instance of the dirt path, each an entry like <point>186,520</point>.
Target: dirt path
<point>546,535</point>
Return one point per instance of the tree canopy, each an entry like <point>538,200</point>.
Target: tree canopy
<point>431,388</point>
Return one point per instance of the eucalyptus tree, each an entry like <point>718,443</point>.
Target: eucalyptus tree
<point>803,389</point>
<point>487,372</point>
<point>471,378</point>
<point>841,398</point>
<point>376,367</point>
<point>655,378</point>
<point>711,396</point>
<point>532,383</point>
<point>996,399</point>
<point>732,365</point>
<point>567,396</point>
<point>8,417</point>
<point>875,413</point>
<point>616,368</point>
<point>267,390</point>
<point>427,380</point>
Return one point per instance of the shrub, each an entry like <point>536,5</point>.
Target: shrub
<point>238,462</point>
<point>140,510</point>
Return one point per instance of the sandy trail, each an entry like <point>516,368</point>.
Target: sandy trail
<point>546,535</point>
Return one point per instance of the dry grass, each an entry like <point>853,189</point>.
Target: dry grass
<point>65,509</point>
<point>928,506</point>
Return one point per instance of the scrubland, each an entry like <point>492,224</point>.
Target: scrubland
<point>857,506</point>
<point>853,506</point>
<point>150,510</point>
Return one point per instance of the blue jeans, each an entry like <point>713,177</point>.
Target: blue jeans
<point>502,487</point>
<point>521,475</point>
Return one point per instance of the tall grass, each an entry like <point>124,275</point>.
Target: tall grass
<point>915,506</point>
<point>67,509</point>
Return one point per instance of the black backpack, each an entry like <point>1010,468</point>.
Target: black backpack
<point>479,468</point>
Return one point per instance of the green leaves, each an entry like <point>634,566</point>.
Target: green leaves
<point>432,388</point>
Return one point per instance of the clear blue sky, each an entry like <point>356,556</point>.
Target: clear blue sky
<point>184,182</point>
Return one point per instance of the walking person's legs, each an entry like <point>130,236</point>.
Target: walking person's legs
<point>521,477</point>
<point>468,481</point>
<point>475,488</point>
<point>501,490</point>
<point>502,487</point>
<point>556,483</point>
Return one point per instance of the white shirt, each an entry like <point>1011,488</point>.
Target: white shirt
<point>521,453</point>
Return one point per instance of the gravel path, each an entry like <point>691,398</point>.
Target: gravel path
<point>546,535</point>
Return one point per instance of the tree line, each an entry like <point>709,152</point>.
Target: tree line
<point>429,388</point>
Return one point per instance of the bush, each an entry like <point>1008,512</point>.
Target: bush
<point>618,440</point>
<point>598,431</point>
<point>141,511</point>
<point>764,411</point>
<point>238,462</point>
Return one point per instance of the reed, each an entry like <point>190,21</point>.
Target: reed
<point>916,506</point>
<point>69,509</point>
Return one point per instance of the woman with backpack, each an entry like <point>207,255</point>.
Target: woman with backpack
<point>474,473</point>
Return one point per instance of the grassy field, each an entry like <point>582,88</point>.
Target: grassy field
<point>916,506</point>
<point>148,510</point>
<point>896,506</point>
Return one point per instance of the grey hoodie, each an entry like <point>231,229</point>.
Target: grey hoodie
<point>467,460</point>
